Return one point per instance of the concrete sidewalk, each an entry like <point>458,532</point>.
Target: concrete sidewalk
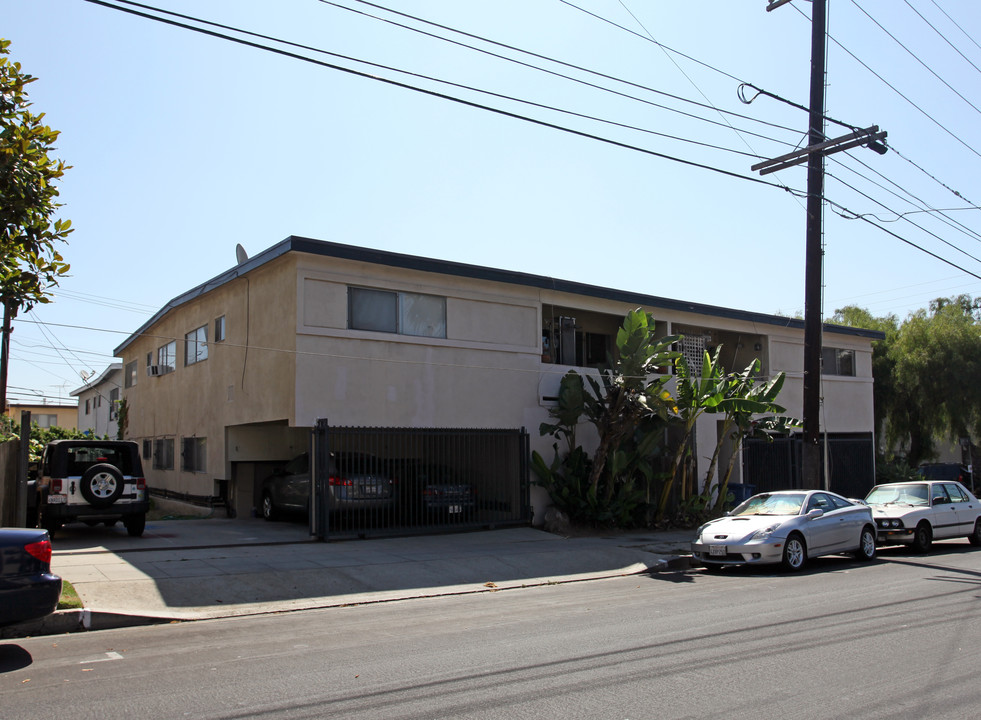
<point>213,568</point>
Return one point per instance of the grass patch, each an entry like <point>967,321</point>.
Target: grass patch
<point>69,599</point>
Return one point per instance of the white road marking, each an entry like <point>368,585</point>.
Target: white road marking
<point>109,656</point>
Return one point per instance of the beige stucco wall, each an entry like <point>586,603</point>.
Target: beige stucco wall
<point>67,414</point>
<point>847,401</point>
<point>247,376</point>
<point>484,373</point>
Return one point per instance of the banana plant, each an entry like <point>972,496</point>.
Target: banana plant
<point>694,396</point>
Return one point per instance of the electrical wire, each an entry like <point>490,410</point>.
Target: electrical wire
<point>942,36</point>
<point>956,25</point>
<point>432,93</point>
<point>916,57</point>
<point>923,206</point>
<point>882,205</point>
<point>898,92</point>
<point>647,39</point>
<point>552,72</point>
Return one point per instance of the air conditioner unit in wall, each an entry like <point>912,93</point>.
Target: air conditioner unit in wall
<point>152,370</point>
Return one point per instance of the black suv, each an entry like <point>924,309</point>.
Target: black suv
<point>93,481</point>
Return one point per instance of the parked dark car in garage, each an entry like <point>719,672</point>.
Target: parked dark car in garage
<point>432,493</point>
<point>355,481</point>
<point>28,589</point>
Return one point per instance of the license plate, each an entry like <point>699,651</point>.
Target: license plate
<point>454,509</point>
<point>370,490</point>
<point>57,499</point>
<point>717,550</point>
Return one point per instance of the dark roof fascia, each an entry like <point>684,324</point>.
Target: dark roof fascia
<point>447,267</point>
<point>113,368</point>
<point>277,250</point>
<point>476,272</point>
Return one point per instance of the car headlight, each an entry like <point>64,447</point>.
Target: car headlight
<point>764,533</point>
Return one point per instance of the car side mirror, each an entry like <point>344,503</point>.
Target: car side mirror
<point>815,513</point>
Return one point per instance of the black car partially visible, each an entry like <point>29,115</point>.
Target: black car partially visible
<point>28,589</point>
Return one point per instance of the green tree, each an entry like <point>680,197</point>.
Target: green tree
<point>30,264</point>
<point>927,373</point>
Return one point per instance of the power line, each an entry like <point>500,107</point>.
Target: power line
<point>956,25</point>
<point>897,91</point>
<point>916,57</point>
<point>552,72</point>
<point>915,201</point>
<point>942,36</point>
<point>648,39</point>
<point>432,93</point>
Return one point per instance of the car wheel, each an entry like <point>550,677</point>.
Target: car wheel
<point>866,545</point>
<point>101,485</point>
<point>922,538</point>
<point>268,509</point>
<point>135,524</point>
<point>794,553</point>
<point>975,537</point>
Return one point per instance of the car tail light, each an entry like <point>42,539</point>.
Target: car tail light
<point>41,550</point>
<point>141,483</point>
<point>55,486</point>
<point>335,480</point>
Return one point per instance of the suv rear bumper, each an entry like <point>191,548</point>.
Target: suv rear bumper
<point>65,512</point>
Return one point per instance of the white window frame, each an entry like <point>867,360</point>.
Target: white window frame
<point>167,358</point>
<point>400,313</point>
<point>196,346</point>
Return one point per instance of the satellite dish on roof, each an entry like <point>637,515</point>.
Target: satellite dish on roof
<point>240,255</point>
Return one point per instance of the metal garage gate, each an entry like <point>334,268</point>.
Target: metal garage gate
<point>776,464</point>
<point>370,481</point>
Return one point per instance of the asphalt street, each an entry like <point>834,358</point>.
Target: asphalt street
<point>897,638</point>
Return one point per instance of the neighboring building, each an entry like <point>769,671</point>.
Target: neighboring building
<point>45,416</point>
<point>232,375</point>
<point>98,402</point>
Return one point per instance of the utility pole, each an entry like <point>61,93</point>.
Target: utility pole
<point>817,147</point>
<point>814,257</point>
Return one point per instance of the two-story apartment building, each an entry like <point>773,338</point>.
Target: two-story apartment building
<point>229,378</point>
<point>98,402</point>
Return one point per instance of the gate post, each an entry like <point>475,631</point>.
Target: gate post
<point>319,469</point>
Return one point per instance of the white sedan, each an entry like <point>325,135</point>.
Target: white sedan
<point>917,513</point>
<point>786,527</point>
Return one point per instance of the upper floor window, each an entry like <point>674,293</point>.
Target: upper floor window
<point>167,358</point>
<point>196,345</point>
<point>88,406</point>
<point>220,329</point>
<point>835,361</point>
<point>129,377</point>
<point>397,312</point>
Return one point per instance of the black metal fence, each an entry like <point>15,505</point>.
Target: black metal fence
<point>776,465</point>
<point>378,481</point>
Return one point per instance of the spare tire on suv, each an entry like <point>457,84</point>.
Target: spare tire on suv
<point>92,481</point>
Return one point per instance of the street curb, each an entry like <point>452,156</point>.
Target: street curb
<point>72,621</point>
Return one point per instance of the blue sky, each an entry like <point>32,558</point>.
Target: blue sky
<point>183,145</point>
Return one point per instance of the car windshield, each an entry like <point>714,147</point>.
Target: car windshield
<point>766,504</point>
<point>899,494</point>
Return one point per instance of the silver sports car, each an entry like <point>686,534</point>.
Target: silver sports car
<point>786,527</point>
